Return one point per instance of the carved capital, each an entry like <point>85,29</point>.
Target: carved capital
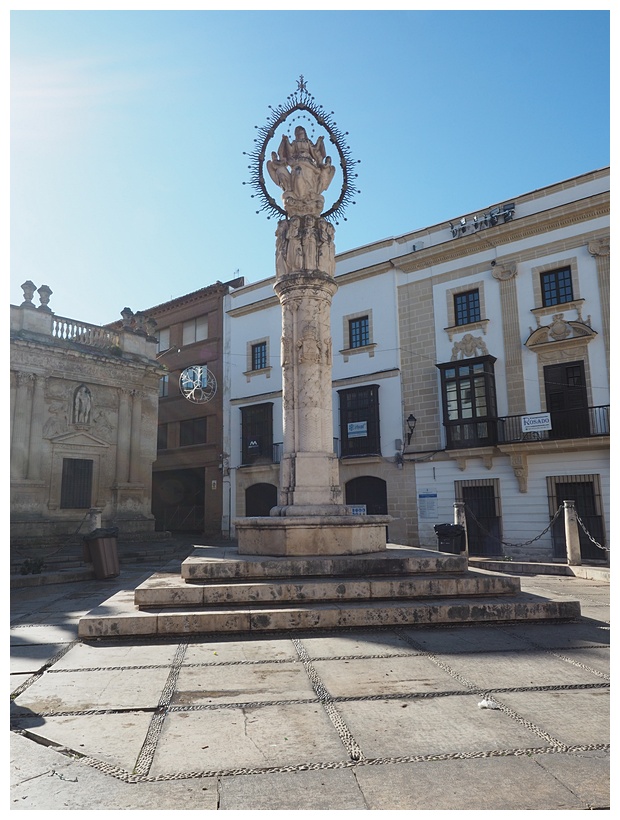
<point>505,272</point>
<point>599,247</point>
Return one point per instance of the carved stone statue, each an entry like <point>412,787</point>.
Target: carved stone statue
<point>303,171</point>
<point>82,405</point>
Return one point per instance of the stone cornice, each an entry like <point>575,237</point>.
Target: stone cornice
<point>269,302</point>
<point>573,213</point>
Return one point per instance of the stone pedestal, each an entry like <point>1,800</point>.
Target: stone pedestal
<point>312,535</point>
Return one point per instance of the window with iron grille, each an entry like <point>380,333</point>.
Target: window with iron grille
<point>359,332</point>
<point>359,421</point>
<point>77,482</point>
<point>257,433</point>
<point>193,431</point>
<point>469,405</point>
<point>467,307</point>
<point>556,286</point>
<point>259,356</point>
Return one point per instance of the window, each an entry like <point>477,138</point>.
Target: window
<point>163,387</point>
<point>195,330</point>
<point>469,406</point>
<point>567,400</point>
<point>556,286</point>
<point>162,436</point>
<point>359,421</point>
<point>163,339</point>
<point>257,433</point>
<point>193,431</point>
<point>259,356</point>
<point>359,333</point>
<point>467,307</point>
<point>77,482</point>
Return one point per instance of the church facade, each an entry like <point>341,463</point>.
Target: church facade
<point>83,425</point>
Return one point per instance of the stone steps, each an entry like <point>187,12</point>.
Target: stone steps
<point>220,591</point>
<point>161,591</point>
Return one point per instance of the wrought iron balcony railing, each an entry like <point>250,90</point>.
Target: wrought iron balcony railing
<point>584,422</point>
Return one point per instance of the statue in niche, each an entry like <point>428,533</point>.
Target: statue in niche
<point>281,248</point>
<point>294,252</point>
<point>302,170</point>
<point>82,405</point>
<point>309,243</point>
<point>326,255</point>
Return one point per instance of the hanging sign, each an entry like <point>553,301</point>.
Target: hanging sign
<point>531,424</point>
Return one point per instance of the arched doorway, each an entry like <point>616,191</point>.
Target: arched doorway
<point>260,498</point>
<point>368,490</point>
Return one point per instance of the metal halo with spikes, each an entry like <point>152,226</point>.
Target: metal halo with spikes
<point>302,100</point>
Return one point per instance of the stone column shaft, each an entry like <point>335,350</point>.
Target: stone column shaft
<point>20,441</point>
<point>123,439</point>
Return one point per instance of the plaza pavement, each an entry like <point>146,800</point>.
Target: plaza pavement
<point>506,717</point>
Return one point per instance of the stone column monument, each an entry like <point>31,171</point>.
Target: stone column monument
<point>310,518</point>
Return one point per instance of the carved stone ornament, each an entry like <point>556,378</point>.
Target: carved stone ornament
<point>82,405</point>
<point>599,247</point>
<point>559,330</point>
<point>505,272</point>
<point>301,167</point>
<point>468,347</point>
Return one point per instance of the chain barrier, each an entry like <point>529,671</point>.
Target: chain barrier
<point>538,537</point>
<point>508,543</point>
<point>593,540</point>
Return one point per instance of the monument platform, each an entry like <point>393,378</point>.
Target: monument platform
<point>221,591</point>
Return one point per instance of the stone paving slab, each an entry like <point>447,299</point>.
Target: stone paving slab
<point>359,678</point>
<point>246,738</point>
<point>42,778</point>
<point>573,718</point>
<point>27,635</point>
<point>241,684</point>
<point>325,790</point>
<point>550,636</point>
<point>355,643</point>
<point>487,784</point>
<point>30,658</point>
<point>104,654</point>
<point>248,649</point>
<point>502,670</point>
<point>115,739</point>
<point>432,726</point>
<point>107,689</point>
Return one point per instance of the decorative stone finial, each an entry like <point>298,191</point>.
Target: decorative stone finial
<point>44,294</point>
<point>29,288</point>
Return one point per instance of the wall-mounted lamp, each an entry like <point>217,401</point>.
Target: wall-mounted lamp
<point>411,422</point>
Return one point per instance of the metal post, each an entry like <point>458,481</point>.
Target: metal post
<point>571,531</point>
<point>459,518</point>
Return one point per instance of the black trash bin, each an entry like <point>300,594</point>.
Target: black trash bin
<point>450,537</point>
<point>100,550</point>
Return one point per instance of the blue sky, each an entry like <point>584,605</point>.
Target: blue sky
<point>128,132</point>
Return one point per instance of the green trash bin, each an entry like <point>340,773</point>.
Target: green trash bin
<point>101,550</point>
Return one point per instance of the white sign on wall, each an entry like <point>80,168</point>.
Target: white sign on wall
<point>357,429</point>
<point>530,424</point>
<point>428,508</point>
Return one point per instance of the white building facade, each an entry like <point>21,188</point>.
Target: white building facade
<point>470,364</point>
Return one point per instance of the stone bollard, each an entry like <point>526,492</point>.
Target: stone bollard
<point>459,518</point>
<point>94,519</point>
<point>571,531</point>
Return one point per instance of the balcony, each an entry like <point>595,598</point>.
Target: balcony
<point>586,422</point>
